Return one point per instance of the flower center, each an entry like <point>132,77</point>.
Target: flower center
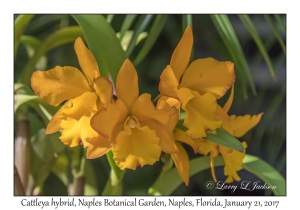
<point>131,122</point>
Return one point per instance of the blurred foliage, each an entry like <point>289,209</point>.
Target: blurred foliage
<point>255,43</point>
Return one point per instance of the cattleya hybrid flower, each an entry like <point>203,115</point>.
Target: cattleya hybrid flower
<point>236,126</point>
<point>85,94</point>
<point>197,86</point>
<point>133,124</point>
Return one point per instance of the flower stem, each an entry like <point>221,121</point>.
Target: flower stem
<point>78,164</point>
<point>114,182</point>
<point>22,146</point>
<point>18,188</point>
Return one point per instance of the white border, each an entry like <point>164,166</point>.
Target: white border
<point>154,6</point>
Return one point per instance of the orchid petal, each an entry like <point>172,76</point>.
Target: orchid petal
<point>167,103</point>
<point>59,84</point>
<point>181,136</point>
<point>182,53</point>
<point>106,119</point>
<point>97,147</point>
<point>76,120</point>
<point>144,109</point>
<point>127,84</point>
<point>139,148</point>
<point>54,124</point>
<point>200,111</point>
<point>221,114</point>
<point>168,83</point>
<point>228,103</point>
<point>209,75</point>
<point>104,89</point>
<point>204,147</point>
<point>95,152</point>
<point>181,160</point>
<point>233,162</point>
<point>240,125</point>
<point>166,142</point>
<point>86,61</point>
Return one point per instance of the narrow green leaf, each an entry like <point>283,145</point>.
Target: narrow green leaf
<point>110,17</point>
<point>223,138</point>
<point>59,37</point>
<point>237,49</point>
<point>234,55</point>
<point>21,99</point>
<point>44,155</point>
<point>128,36</point>
<point>20,88</point>
<point>219,136</point>
<point>91,180</point>
<point>143,22</point>
<point>266,173</point>
<point>234,46</point>
<point>62,169</point>
<point>21,23</point>
<point>126,25</point>
<point>276,32</point>
<point>281,22</point>
<point>31,41</point>
<point>53,186</point>
<point>103,43</point>
<point>170,180</point>
<point>155,30</point>
<point>186,20</point>
<point>31,44</point>
<point>250,27</point>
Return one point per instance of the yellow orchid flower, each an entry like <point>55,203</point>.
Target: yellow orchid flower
<point>180,157</point>
<point>85,93</point>
<point>236,126</point>
<point>133,123</point>
<point>196,86</point>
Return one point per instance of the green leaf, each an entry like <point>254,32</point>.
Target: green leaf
<point>170,180</point>
<point>21,23</point>
<point>249,25</point>
<point>110,17</point>
<point>155,30</point>
<point>143,22</point>
<point>62,169</point>
<point>221,137</point>
<point>281,22</point>
<point>266,173</point>
<point>126,25</point>
<point>186,20</point>
<point>31,44</point>
<point>45,148</point>
<point>128,36</point>
<point>54,186</point>
<point>21,99</point>
<point>103,43</point>
<point>276,32</point>
<point>20,88</point>
<point>59,37</point>
<point>228,35</point>
<point>91,180</point>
